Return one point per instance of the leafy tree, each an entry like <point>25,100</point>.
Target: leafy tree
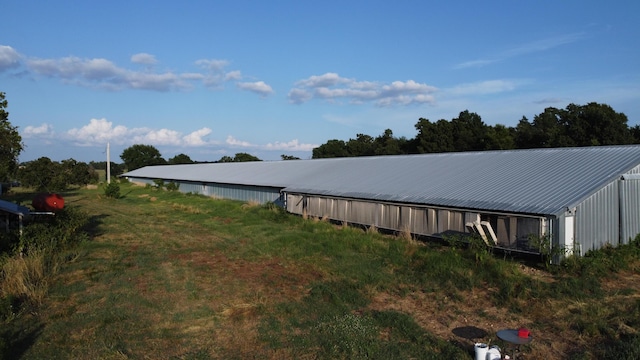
<point>386,144</point>
<point>180,159</point>
<point>576,125</point>
<point>78,173</point>
<point>225,159</point>
<point>596,124</point>
<point>362,145</point>
<point>469,132</point>
<point>116,169</point>
<point>500,137</point>
<point>10,143</point>
<point>549,130</point>
<point>289,157</point>
<point>46,175</point>
<point>138,156</point>
<point>43,174</point>
<point>333,148</point>
<point>635,134</point>
<point>244,157</point>
<point>524,134</point>
<point>434,137</point>
<point>239,157</point>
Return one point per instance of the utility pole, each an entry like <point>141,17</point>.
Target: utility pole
<point>108,165</point>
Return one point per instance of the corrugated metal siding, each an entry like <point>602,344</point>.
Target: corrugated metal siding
<point>630,209</point>
<point>597,219</point>
<point>258,194</point>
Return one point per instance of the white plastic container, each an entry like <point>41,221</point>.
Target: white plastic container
<point>493,353</point>
<point>481,351</point>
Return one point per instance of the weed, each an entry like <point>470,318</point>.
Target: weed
<point>112,190</point>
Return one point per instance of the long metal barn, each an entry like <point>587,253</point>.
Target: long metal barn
<point>580,199</point>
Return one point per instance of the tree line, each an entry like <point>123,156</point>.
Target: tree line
<point>592,124</point>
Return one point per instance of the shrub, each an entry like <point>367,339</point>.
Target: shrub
<point>159,183</point>
<point>24,276</point>
<point>173,186</point>
<point>112,190</point>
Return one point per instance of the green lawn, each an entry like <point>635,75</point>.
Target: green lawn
<point>171,276</point>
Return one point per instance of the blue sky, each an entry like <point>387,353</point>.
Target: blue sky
<point>215,78</point>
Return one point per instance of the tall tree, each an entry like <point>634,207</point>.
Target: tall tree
<point>10,143</point>
<point>362,145</point>
<point>524,134</point>
<point>500,137</point>
<point>244,157</point>
<point>550,129</point>
<point>43,174</point>
<point>596,124</point>
<point>79,173</point>
<point>180,159</point>
<point>239,157</point>
<point>469,132</point>
<point>289,157</point>
<point>137,156</point>
<point>635,134</point>
<point>386,144</point>
<point>434,137</point>
<point>332,148</point>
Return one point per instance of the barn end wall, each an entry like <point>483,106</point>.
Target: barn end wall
<point>609,217</point>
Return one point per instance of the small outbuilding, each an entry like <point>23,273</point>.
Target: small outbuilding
<point>577,199</point>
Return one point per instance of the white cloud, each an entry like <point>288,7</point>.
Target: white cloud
<point>99,73</point>
<point>195,138</point>
<point>524,49</point>
<point>9,58</point>
<point>159,137</point>
<point>44,130</point>
<point>235,142</point>
<point>104,74</point>
<point>332,87</point>
<point>98,132</point>
<point>258,87</point>
<point>233,75</point>
<point>144,58</point>
<point>328,79</point>
<point>158,82</point>
<point>212,64</point>
<point>483,87</point>
<point>293,145</point>
<point>299,96</point>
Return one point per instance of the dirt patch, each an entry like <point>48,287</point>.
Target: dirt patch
<point>270,277</point>
<point>451,319</point>
<point>224,221</point>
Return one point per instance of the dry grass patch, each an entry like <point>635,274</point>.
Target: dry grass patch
<point>25,277</point>
<point>189,209</point>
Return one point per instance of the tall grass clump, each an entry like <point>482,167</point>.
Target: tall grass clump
<point>36,254</point>
<point>24,278</point>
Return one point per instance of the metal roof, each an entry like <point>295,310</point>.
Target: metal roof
<point>9,207</point>
<point>534,181</point>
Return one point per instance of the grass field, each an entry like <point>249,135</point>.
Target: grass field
<point>171,276</point>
